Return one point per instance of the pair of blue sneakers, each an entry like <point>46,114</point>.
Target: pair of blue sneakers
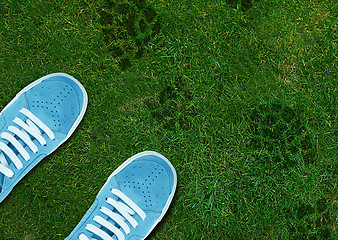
<point>44,115</point>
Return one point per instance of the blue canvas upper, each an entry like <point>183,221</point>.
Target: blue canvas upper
<point>59,101</point>
<point>149,180</point>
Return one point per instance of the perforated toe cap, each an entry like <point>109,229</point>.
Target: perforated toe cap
<point>149,181</point>
<point>57,101</point>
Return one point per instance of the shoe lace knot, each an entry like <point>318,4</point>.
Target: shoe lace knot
<point>26,131</point>
<point>123,212</point>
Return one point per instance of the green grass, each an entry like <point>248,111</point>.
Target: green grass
<point>241,96</point>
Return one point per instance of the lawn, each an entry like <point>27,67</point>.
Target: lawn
<point>240,95</point>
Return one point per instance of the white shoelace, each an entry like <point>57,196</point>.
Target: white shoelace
<point>121,217</point>
<point>31,126</point>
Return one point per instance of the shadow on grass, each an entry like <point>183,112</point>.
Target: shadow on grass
<point>303,218</point>
<point>279,138</point>
<point>280,132</point>
<point>128,27</point>
<point>172,106</point>
<point>242,5</point>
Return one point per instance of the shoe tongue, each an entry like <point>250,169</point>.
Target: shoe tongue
<point>2,178</point>
<point>3,157</point>
<point>15,151</point>
<point>113,222</point>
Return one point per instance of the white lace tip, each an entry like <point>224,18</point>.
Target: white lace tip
<point>6,171</point>
<point>83,237</point>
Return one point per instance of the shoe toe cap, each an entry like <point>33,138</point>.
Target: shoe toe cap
<point>149,181</point>
<point>57,101</point>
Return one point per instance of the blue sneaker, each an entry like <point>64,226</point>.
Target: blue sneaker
<point>37,121</point>
<point>132,201</point>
